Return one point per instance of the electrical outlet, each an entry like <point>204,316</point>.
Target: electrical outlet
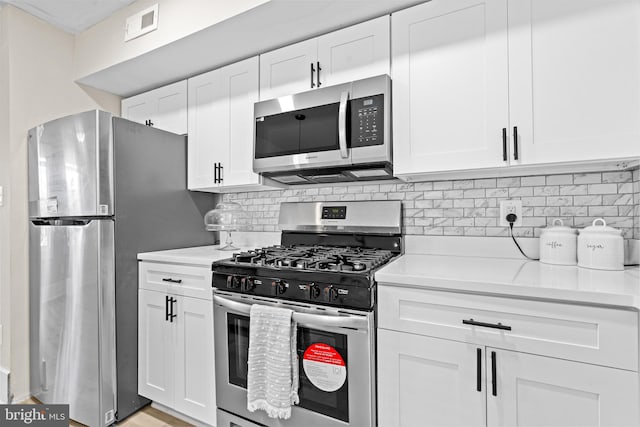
<point>510,207</point>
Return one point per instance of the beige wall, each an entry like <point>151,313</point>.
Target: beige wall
<point>37,87</point>
<point>103,45</point>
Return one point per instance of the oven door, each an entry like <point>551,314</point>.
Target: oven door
<point>344,397</point>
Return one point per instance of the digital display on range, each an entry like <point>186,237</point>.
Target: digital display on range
<point>334,212</point>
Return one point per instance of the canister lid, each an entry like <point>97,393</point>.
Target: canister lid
<point>599,226</point>
<point>557,226</point>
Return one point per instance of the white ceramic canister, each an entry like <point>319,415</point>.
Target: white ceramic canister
<point>601,247</point>
<point>558,244</point>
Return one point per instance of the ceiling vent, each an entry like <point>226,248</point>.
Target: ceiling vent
<point>141,23</point>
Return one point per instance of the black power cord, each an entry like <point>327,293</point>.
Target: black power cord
<point>511,218</point>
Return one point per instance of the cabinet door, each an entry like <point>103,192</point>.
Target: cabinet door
<point>202,145</point>
<point>238,92</point>
<point>165,108</point>
<point>194,362</point>
<point>542,391</point>
<point>355,52</point>
<point>574,70</point>
<point>425,381</point>
<point>155,348</point>
<point>171,107</point>
<point>288,70</point>
<point>450,85</point>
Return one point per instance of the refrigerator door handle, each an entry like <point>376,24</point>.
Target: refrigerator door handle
<point>60,222</point>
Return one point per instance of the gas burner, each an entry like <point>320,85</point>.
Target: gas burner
<point>319,258</point>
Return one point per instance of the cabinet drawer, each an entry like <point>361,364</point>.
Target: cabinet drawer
<point>597,335</point>
<point>176,279</point>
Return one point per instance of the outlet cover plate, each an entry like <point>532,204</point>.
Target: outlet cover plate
<point>510,206</point>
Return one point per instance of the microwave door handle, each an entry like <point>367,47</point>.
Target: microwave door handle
<point>342,124</point>
<point>303,319</point>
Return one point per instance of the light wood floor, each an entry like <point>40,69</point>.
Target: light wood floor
<point>146,417</point>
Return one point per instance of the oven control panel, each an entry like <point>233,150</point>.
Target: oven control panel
<point>314,292</point>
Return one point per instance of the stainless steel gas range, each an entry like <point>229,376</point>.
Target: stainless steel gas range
<point>323,271</point>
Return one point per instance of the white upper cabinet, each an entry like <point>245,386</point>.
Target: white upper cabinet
<point>164,108</point>
<point>352,53</point>
<point>479,85</point>
<point>450,85</point>
<point>220,149</point>
<point>574,69</point>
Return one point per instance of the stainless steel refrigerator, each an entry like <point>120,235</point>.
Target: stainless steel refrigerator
<point>101,189</point>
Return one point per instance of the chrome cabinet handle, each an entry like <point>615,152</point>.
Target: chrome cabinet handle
<point>504,144</point>
<point>342,124</point>
<point>515,142</point>
<point>318,75</point>
<point>478,369</point>
<point>494,375</point>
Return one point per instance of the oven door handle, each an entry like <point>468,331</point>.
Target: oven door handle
<point>302,319</point>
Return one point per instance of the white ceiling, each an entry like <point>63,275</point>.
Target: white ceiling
<point>72,16</point>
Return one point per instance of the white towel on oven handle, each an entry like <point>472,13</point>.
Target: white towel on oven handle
<point>272,378</point>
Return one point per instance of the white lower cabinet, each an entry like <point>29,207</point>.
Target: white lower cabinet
<point>480,378</point>
<point>175,351</point>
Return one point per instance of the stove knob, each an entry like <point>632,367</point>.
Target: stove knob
<point>233,282</point>
<point>314,291</point>
<point>279,287</point>
<point>247,284</point>
<point>330,294</point>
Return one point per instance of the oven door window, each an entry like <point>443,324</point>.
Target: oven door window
<point>334,404</point>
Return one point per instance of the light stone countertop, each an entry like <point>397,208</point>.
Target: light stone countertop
<point>515,278</point>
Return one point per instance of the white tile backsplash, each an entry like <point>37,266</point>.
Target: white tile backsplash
<point>470,207</point>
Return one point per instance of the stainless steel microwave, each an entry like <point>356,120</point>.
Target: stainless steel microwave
<point>333,134</point>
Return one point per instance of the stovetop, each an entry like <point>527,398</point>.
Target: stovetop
<point>315,258</point>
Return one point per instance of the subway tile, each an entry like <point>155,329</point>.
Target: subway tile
<point>462,184</point>
<point>455,212</point>
<point>546,211</point>
<point>603,211</point>
<point>622,176</point>
<point>473,194</point>
<point>490,202</point>
<point>497,192</point>
<point>534,201</point>
<point>413,213</point>
<point>373,188</point>
<point>548,190</point>
<point>573,190</point>
<point>534,221</point>
<point>485,222</point>
<point>384,188</point>
<point>409,204</point>
<point>523,231</point>
<point>531,181</point>
<point>463,222</point>
<point>463,203</point>
<point>423,221</point>
<point>527,210</point>
<point>625,188</point>
<point>433,231</point>
<point>625,210</point>
<point>363,196</point>
<point>443,185</point>
<point>316,191</point>
<point>414,195</point>
<point>520,192</point>
<point>561,200</point>
<point>434,213</point>
<point>433,194</point>
<point>574,211</point>
<point>379,196</point>
<point>396,196</point>
<point>559,179</point>
<point>339,190</point>
<point>443,222</point>
<point>448,203</point>
<point>493,212</point>
<point>617,199</point>
<point>475,212</point>
<point>508,182</point>
<point>347,197</point>
<point>497,231</point>
<point>452,194</point>
<point>406,186</point>
<point>326,190</point>
<point>424,204</point>
<point>453,231</point>
<point>413,230</point>
<point>603,188</point>
<point>474,231</point>
<point>587,178</point>
<point>586,200</point>
<point>354,189</point>
<point>423,186</point>
<point>485,183</point>
<point>619,222</point>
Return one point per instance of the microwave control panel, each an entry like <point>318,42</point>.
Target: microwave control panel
<point>367,121</point>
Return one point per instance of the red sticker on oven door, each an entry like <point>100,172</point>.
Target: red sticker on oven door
<point>324,367</point>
